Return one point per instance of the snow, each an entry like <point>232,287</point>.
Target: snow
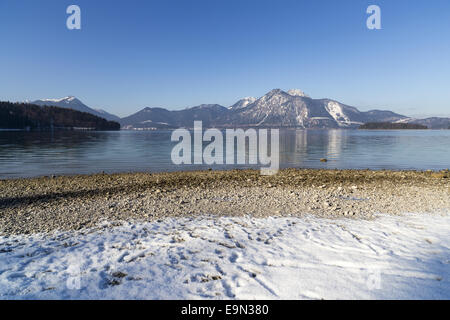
<point>298,93</point>
<point>307,257</point>
<point>335,110</point>
<point>157,122</point>
<point>405,120</point>
<point>244,102</point>
<point>65,99</point>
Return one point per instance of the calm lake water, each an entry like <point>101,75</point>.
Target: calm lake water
<point>28,154</point>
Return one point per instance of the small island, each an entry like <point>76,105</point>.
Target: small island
<point>391,126</point>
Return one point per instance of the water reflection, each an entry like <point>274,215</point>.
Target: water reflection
<point>69,152</point>
<point>300,147</point>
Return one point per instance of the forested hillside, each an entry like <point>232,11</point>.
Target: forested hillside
<point>34,117</point>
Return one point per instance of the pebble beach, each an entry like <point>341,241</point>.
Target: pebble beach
<point>63,203</point>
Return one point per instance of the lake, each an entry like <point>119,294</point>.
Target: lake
<point>29,154</point>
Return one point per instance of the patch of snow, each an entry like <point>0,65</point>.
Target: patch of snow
<point>298,93</point>
<point>391,257</point>
<point>150,121</point>
<point>335,110</point>
<point>405,120</point>
<point>262,120</point>
<point>246,101</point>
<point>65,99</point>
<point>243,103</point>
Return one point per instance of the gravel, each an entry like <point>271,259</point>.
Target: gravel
<point>46,204</point>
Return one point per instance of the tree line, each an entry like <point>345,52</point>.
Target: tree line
<point>34,117</point>
<point>390,125</point>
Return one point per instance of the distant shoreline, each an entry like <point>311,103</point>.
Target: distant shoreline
<point>391,126</point>
<point>220,128</point>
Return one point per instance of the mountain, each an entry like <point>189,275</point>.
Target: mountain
<point>163,118</point>
<point>34,117</point>
<point>281,109</point>
<point>75,104</point>
<point>277,108</point>
<point>148,118</point>
<point>295,109</point>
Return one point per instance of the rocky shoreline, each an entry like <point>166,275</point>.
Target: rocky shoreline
<point>46,204</point>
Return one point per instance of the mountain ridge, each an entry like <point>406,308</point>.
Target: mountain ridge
<point>277,108</point>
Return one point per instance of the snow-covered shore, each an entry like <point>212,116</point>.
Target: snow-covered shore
<point>234,258</point>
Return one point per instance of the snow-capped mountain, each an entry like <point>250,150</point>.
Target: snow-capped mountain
<point>277,108</point>
<point>242,103</point>
<point>71,102</point>
<point>295,109</point>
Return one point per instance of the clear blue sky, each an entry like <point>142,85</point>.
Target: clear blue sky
<point>133,54</point>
